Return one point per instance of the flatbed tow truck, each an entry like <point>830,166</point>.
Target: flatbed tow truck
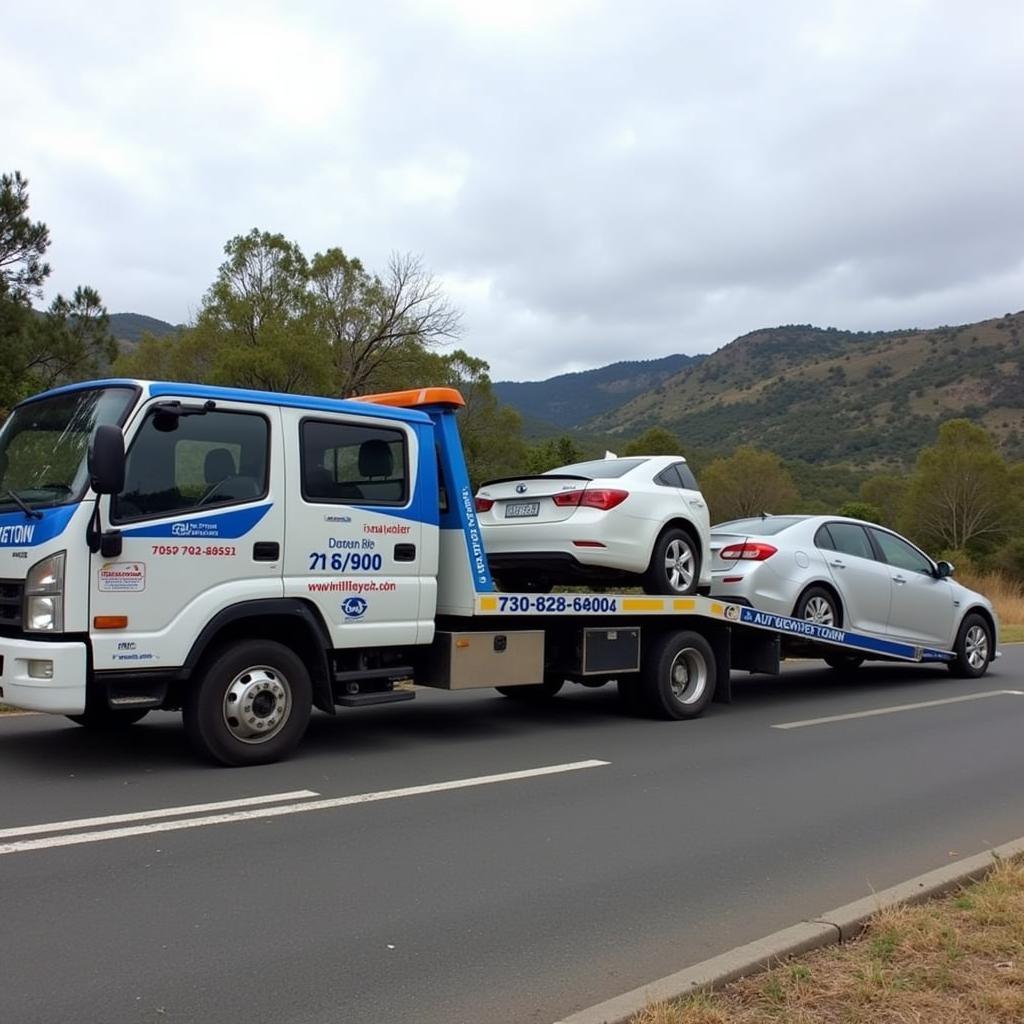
<point>245,556</point>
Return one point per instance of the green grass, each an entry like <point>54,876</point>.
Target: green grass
<point>1011,634</point>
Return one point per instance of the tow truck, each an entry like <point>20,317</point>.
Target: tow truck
<point>244,557</point>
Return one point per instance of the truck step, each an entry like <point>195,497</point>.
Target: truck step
<point>362,700</point>
<point>360,675</point>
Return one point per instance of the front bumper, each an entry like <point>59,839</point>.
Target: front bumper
<point>63,694</point>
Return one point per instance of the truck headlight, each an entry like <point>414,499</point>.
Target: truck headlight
<point>43,609</point>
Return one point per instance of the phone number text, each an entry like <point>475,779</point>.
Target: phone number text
<point>207,550</point>
<point>555,603</point>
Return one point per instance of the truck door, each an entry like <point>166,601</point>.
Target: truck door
<point>355,533</point>
<point>202,522</point>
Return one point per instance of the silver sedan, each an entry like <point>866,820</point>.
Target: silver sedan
<point>846,573</point>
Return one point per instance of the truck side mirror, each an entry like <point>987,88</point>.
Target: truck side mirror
<point>944,569</point>
<point>106,459</point>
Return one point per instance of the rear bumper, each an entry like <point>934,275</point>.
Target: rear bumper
<point>62,694</point>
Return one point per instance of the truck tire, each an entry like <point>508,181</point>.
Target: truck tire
<point>250,703</point>
<point>678,677</point>
<point>973,648</point>
<point>106,719</point>
<point>843,662</point>
<point>539,691</point>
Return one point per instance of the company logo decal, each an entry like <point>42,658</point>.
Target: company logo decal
<point>228,525</point>
<point>520,488</point>
<point>354,607</point>
<point>122,576</point>
<point>18,532</point>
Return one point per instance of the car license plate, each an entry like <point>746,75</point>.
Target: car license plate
<point>522,509</point>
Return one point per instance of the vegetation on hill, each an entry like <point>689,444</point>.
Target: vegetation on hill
<point>130,328</point>
<point>821,395</point>
<point>571,399</point>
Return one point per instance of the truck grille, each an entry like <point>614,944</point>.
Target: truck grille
<point>10,605</point>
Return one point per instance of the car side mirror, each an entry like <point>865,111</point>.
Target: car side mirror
<point>106,459</point>
<point>943,569</point>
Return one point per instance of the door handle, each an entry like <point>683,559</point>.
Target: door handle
<point>899,579</point>
<point>405,552</point>
<point>838,565</point>
<point>266,551</point>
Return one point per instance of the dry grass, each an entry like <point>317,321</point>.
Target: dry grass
<point>958,960</point>
<point>1006,595</point>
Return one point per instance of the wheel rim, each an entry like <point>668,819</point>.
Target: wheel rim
<point>976,646</point>
<point>257,704</point>
<point>820,610</point>
<point>688,676</point>
<point>679,564</point>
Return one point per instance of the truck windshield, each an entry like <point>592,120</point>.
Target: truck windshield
<point>43,445</point>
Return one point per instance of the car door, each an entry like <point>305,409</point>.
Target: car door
<point>863,582</point>
<point>355,531</point>
<point>201,518</point>
<point>680,477</point>
<point>922,608</point>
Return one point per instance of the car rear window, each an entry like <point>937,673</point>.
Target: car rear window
<point>760,527</point>
<point>602,469</point>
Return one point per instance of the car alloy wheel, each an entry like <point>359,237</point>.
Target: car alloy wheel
<point>976,647</point>
<point>819,610</point>
<point>679,565</point>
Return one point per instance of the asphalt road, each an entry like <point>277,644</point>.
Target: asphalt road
<point>512,901</point>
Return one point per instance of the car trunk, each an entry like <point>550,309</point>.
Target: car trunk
<point>724,540</point>
<point>530,499</point>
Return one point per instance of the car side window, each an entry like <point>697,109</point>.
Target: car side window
<point>668,478</point>
<point>689,480</point>
<point>901,555</point>
<point>850,539</point>
<point>204,461</point>
<point>352,464</point>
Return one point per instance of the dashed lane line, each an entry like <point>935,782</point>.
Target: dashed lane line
<point>897,708</point>
<point>250,814</point>
<point>160,812</point>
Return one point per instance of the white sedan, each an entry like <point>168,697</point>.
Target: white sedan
<point>613,521</point>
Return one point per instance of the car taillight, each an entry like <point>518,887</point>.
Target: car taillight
<point>599,497</point>
<point>750,551</point>
<point>484,504</point>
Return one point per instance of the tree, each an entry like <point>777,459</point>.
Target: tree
<point>553,453</point>
<point>861,510</point>
<point>22,243</point>
<point>71,339</point>
<point>655,441</point>
<point>888,494</point>
<point>747,483</point>
<point>370,322</point>
<point>961,497</point>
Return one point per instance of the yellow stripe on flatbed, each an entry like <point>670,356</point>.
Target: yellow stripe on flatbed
<point>642,604</point>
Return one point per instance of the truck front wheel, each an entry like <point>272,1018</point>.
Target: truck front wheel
<point>250,703</point>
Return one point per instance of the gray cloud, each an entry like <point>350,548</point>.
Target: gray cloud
<point>592,182</point>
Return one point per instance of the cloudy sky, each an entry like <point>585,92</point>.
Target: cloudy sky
<point>592,181</point>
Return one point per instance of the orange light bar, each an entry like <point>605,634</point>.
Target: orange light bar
<point>110,622</point>
<point>414,397</point>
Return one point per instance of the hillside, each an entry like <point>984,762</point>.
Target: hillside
<point>570,399</point>
<point>129,327</point>
<point>824,395</point>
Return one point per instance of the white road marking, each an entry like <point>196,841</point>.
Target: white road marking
<point>898,707</point>
<point>272,812</point>
<point>162,812</point>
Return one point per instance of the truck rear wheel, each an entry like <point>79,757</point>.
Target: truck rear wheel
<point>678,677</point>
<point>250,704</point>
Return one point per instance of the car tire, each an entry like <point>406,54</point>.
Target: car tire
<point>539,691</point>
<point>821,606</point>
<point>675,564</point>
<point>106,719</point>
<point>973,648</point>
<point>844,664</point>
<point>677,680</point>
<point>269,686</point>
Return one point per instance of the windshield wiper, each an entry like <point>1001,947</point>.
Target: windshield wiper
<point>24,506</point>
